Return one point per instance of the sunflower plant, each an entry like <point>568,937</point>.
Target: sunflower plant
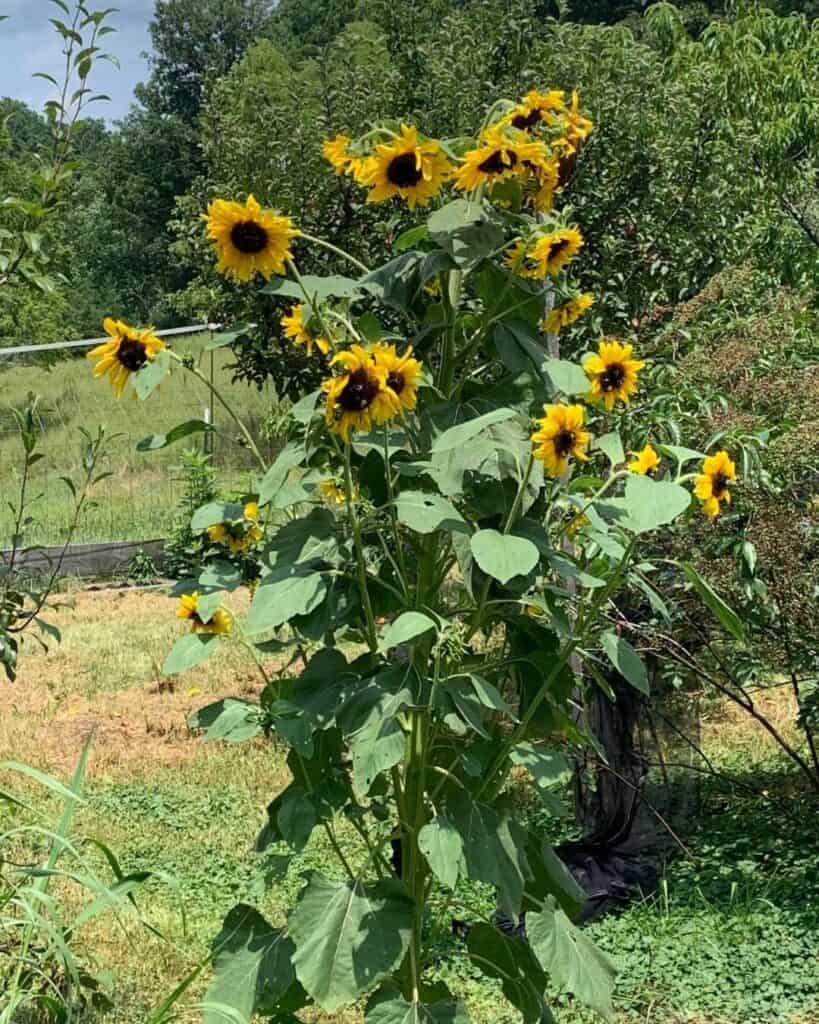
<point>435,555</point>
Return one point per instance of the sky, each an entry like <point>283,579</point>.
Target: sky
<point>29,43</point>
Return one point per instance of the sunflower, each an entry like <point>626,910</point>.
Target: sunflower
<point>241,535</point>
<point>126,353</point>
<point>711,486</point>
<point>358,398</point>
<point>547,254</point>
<point>561,436</point>
<point>336,153</point>
<point>333,494</point>
<point>403,373</point>
<point>536,108</point>
<point>249,239</point>
<point>566,314</point>
<point>405,167</point>
<point>219,624</point>
<point>644,462</point>
<point>547,180</point>
<point>579,128</point>
<point>500,155</point>
<point>612,372</point>
<point>296,329</point>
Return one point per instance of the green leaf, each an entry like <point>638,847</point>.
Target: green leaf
<point>426,513</point>
<point>454,216</point>
<point>252,966</point>
<point>680,454</point>
<point>379,743</point>
<point>153,442</point>
<point>406,627</point>
<point>511,961</point>
<point>503,556</point>
<point>724,614</point>
<point>549,768</point>
<point>288,459</point>
<point>148,379</point>
<point>612,447</point>
<point>348,936</point>
<point>333,286</point>
<point>189,651</point>
<point>216,512</point>
<point>458,436</point>
<point>296,817</point>
<point>390,1007</point>
<point>493,845</point>
<point>626,660</point>
<point>566,377</point>
<point>226,337</point>
<point>652,503</point>
<point>550,877</point>
<point>410,238</point>
<point>219,575</point>
<point>287,591</point>
<point>232,720</point>
<point>312,538</point>
<point>570,959</point>
<point>440,842</point>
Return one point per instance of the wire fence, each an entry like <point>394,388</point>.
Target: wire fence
<point>137,500</point>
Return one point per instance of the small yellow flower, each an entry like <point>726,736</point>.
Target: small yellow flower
<point>644,462</point>
<point>406,167</point>
<point>358,398</point>
<point>576,524</point>
<point>126,353</point>
<point>333,494</point>
<point>220,623</point>
<point>612,372</point>
<point>499,155</point>
<point>239,536</point>
<point>561,437</point>
<point>403,372</point>
<point>249,240</point>
<point>711,486</point>
<point>296,329</point>
<point>336,152</point>
<point>195,691</point>
<point>566,314</point>
<point>545,255</point>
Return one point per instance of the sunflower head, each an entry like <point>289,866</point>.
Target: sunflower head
<point>711,486</point>
<point>403,373</point>
<point>126,352</point>
<point>406,167</point>
<point>299,331</point>
<point>249,240</point>
<point>239,535</point>
<point>500,154</point>
<point>612,373</point>
<point>219,624</point>
<point>332,493</point>
<point>336,153</point>
<point>358,398</point>
<point>566,313</point>
<point>537,108</point>
<point>544,255</point>
<point>561,436</point>
<point>644,462</point>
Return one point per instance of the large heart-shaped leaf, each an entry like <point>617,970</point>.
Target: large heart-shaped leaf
<point>426,513</point>
<point>348,936</point>
<point>503,556</point>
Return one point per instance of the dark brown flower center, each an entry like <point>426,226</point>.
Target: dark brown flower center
<point>396,382</point>
<point>556,248</point>
<point>249,237</point>
<point>612,377</point>
<point>495,164</point>
<point>403,171</point>
<point>526,121</point>
<point>359,392</point>
<point>564,443</point>
<point>132,354</point>
<point>719,484</point>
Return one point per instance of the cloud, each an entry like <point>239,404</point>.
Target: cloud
<point>27,34</point>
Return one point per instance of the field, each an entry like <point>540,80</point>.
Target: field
<point>133,503</point>
<point>731,938</point>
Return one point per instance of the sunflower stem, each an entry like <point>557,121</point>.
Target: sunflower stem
<point>372,634</point>
<point>335,249</point>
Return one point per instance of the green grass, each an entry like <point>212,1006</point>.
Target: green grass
<point>133,503</point>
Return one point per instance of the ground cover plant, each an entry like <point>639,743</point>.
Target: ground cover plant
<point>465,556</point>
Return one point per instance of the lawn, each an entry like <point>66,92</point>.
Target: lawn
<point>731,938</point>
<point>133,503</point>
